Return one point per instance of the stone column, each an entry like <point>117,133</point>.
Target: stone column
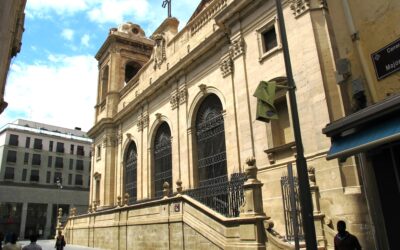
<point>47,229</point>
<point>23,220</point>
<point>318,216</point>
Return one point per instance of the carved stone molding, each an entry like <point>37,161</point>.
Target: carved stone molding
<point>174,100</point>
<point>158,116</point>
<point>110,140</point>
<point>182,95</point>
<point>143,122</point>
<point>203,88</point>
<point>237,47</point>
<point>299,7</point>
<point>226,66</point>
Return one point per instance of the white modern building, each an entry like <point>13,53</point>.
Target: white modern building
<point>42,168</point>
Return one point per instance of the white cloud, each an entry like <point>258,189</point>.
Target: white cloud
<point>68,34</point>
<point>61,92</point>
<point>85,40</point>
<point>115,11</point>
<point>43,8</point>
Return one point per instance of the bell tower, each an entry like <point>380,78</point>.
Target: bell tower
<point>120,58</point>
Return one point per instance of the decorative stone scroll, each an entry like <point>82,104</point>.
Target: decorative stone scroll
<point>109,140</point>
<point>226,65</point>
<point>143,122</point>
<point>237,47</point>
<point>299,7</point>
<point>178,97</point>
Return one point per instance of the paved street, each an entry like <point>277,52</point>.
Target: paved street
<point>49,245</point>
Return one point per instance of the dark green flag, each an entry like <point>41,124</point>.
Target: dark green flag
<point>265,94</point>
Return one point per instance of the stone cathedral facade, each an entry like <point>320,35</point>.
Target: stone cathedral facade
<point>178,107</point>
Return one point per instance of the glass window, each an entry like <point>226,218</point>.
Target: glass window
<point>37,144</point>
<point>72,149</point>
<point>69,179</point>
<point>98,154</point>
<point>50,161</point>
<point>26,158</point>
<point>162,159</point>
<point>269,39</point>
<point>211,150</point>
<point>9,173</point>
<point>36,159</point>
<point>13,140</point>
<point>28,142</point>
<point>12,156</point>
<point>34,175</point>
<point>60,147</point>
<point>71,164</point>
<point>59,162</point>
<point>48,177</point>
<point>51,146</point>
<point>131,172</point>
<point>80,151</point>
<point>24,172</point>
<point>78,180</point>
<point>79,165</point>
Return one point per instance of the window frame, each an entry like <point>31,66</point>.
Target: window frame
<point>272,23</point>
<point>13,140</point>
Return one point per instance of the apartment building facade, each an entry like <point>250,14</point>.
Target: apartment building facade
<point>43,168</point>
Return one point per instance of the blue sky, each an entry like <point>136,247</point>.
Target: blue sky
<point>54,77</point>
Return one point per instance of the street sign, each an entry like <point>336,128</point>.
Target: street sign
<point>387,60</point>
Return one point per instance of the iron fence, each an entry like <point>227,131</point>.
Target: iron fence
<point>220,194</point>
<point>291,206</point>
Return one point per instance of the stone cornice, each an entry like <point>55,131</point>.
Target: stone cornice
<point>196,53</point>
<point>113,38</point>
<point>100,126</point>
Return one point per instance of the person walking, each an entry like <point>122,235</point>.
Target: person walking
<point>1,240</point>
<point>12,243</point>
<point>32,245</point>
<point>345,240</point>
<point>60,241</point>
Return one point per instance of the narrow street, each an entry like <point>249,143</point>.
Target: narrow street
<point>49,245</point>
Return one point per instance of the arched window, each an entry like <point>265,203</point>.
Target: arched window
<point>131,172</point>
<point>162,158</point>
<point>104,82</point>
<point>131,69</point>
<point>211,150</point>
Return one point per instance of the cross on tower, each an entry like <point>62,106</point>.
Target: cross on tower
<point>165,3</point>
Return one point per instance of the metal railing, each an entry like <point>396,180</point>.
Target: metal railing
<point>291,206</point>
<point>220,194</point>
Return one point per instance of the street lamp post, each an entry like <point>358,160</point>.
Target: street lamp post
<point>59,187</point>
<point>301,163</point>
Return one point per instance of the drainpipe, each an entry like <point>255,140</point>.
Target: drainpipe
<point>356,39</point>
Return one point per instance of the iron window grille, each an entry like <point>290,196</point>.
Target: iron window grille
<point>162,159</point>
<point>131,173</point>
<point>211,150</point>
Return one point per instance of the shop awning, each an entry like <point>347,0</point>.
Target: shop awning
<point>362,139</point>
